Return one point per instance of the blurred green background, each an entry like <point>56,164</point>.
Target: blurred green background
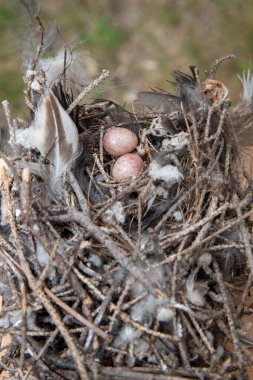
<point>139,41</point>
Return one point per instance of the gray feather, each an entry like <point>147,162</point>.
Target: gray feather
<point>54,134</point>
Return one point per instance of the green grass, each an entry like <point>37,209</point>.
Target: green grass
<point>6,15</point>
<point>122,37</point>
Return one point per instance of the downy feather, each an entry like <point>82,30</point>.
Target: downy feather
<point>55,135</point>
<point>247,82</point>
<point>32,33</point>
<point>53,68</point>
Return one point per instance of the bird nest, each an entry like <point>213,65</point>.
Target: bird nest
<point>146,278</point>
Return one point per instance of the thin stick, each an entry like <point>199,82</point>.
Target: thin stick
<point>77,316</point>
<point>231,323</point>
<point>25,193</point>
<point>183,196</point>
<point>34,286</point>
<point>195,245</point>
<point>118,253</point>
<point>7,113</point>
<point>93,84</point>
<point>80,196</point>
<point>24,323</point>
<point>197,326</point>
<point>245,235</point>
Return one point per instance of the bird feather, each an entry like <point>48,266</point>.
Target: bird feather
<point>159,102</point>
<point>54,134</point>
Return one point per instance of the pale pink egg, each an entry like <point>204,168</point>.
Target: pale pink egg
<point>127,166</point>
<point>118,141</point>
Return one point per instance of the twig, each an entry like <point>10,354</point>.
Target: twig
<point>24,323</point>
<point>33,284</point>
<point>40,46</point>
<point>80,196</point>
<point>217,63</point>
<point>182,197</point>
<point>198,328</point>
<point>77,316</point>
<point>49,262</point>
<point>11,126</point>
<point>25,193</point>
<point>245,235</point>
<point>245,294</point>
<point>93,84</point>
<point>231,323</point>
<point>118,253</point>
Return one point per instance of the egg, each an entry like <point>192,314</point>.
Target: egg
<point>127,166</point>
<point>118,141</point>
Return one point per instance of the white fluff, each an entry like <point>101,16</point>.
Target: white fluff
<point>180,331</point>
<point>178,216</point>
<point>205,260</point>
<point>155,191</point>
<point>168,173</point>
<point>10,319</point>
<point>216,357</point>
<point>116,212</point>
<point>54,68</point>
<point>42,255</point>
<point>4,210</point>
<point>165,314</point>
<point>141,349</point>
<point>17,213</point>
<point>145,308</point>
<point>4,207</point>
<point>157,128</point>
<point>247,82</point>
<point>161,192</point>
<point>137,288</point>
<point>13,318</point>
<point>195,297</point>
<point>95,260</point>
<point>126,335</point>
<point>193,294</point>
<point>215,297</point>
<point>179,141</point>
<point>145,240</point>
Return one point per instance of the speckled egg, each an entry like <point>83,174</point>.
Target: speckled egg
<point>127,166</point>
<point>118,141</point>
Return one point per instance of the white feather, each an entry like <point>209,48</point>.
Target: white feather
<point>126,335</point>
<point>165,313</point>
<point>178,216</point>
<point>54,134</point>
<point>192,293</point>
<point>145,309</point>
<point>116,212</point>
<point>178,141</point>
<point>168,173</point>
<point>53,68</point>
<point>247,82</point>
